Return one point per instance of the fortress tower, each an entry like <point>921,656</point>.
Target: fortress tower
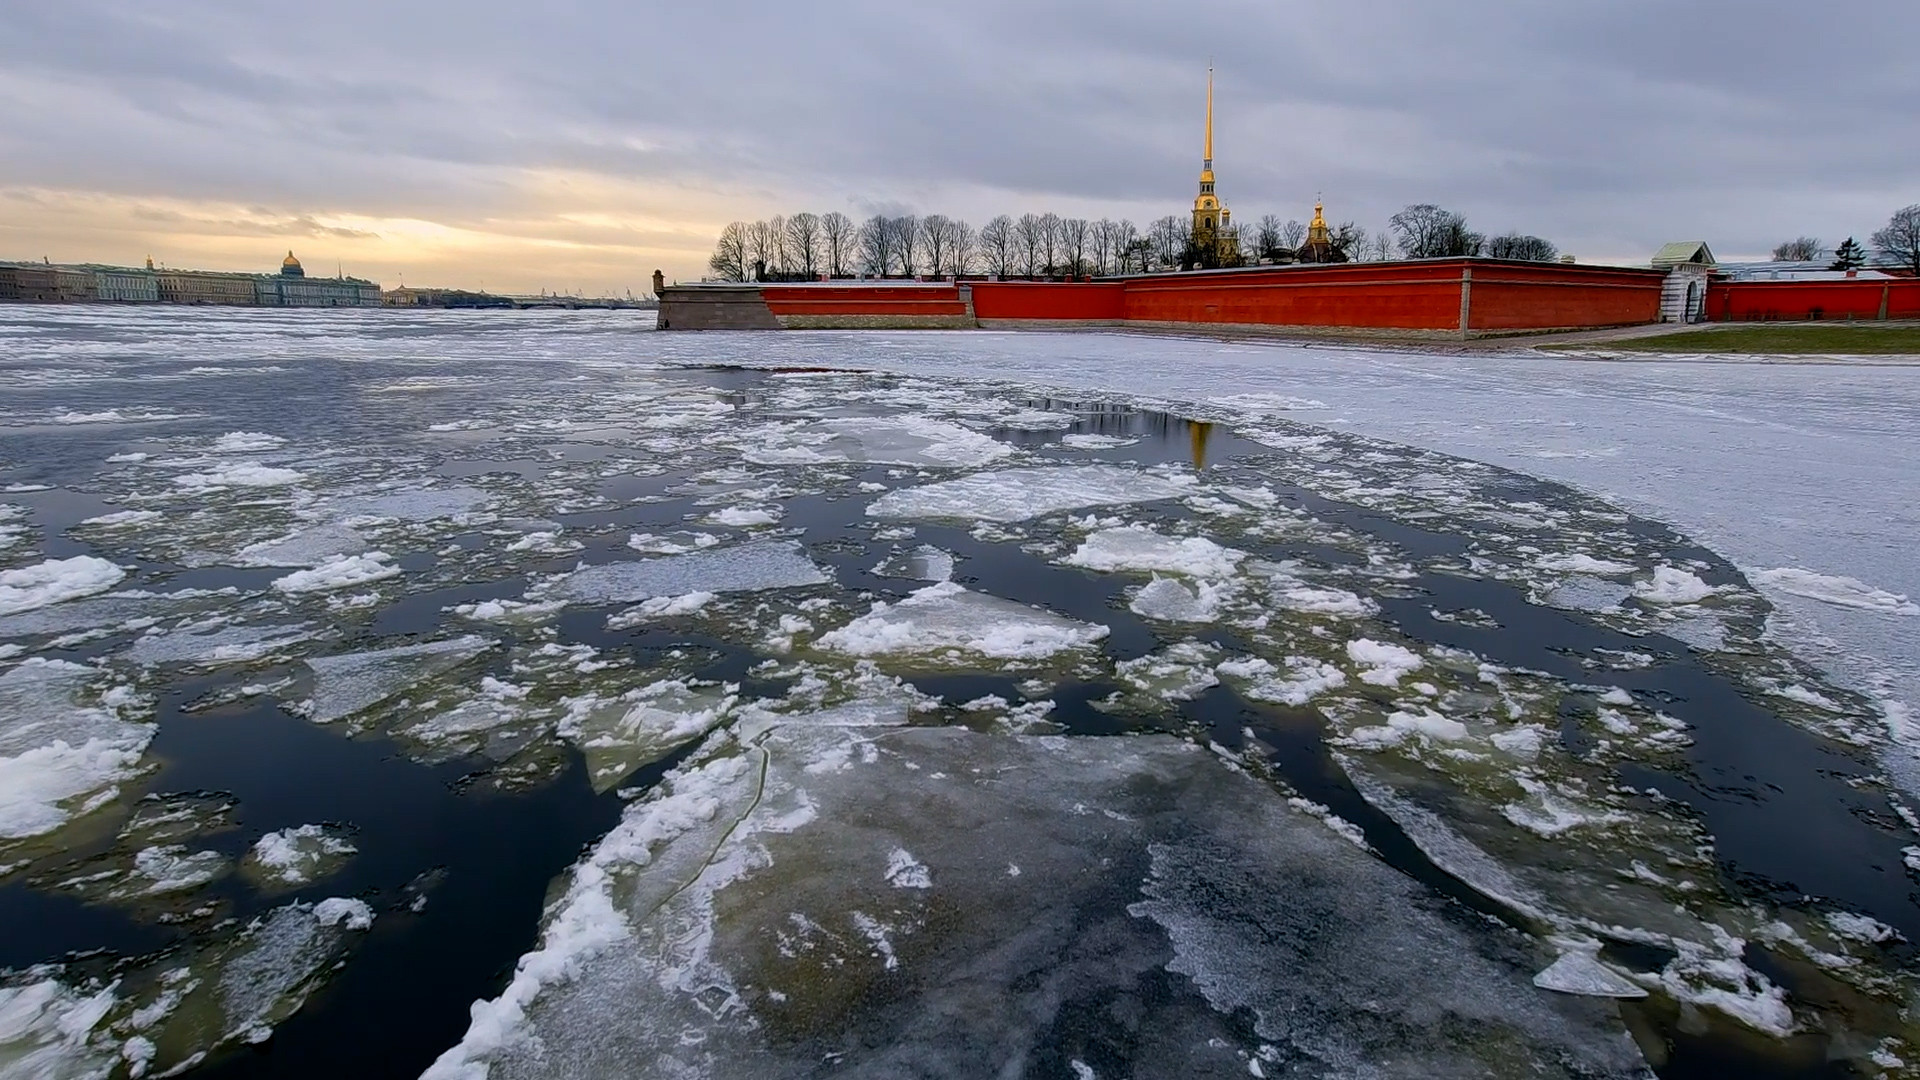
<point>1214,243</point>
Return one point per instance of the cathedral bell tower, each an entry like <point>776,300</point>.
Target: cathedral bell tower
<point>1213,239</point>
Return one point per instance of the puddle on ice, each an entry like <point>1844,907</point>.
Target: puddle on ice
<point>1004,734</point>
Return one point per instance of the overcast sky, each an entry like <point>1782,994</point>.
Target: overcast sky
<point>546,144</point>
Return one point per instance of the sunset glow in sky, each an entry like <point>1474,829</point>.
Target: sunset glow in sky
<point>579,146</point>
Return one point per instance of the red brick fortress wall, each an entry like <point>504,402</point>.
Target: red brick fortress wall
<point>865,298</point>
<point>1396,296</point>
<point>1762,301</point>
<point>1098,301</point>
<point>1516,297</point>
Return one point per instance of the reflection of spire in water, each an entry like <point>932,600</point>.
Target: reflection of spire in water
<point>1197,434</point>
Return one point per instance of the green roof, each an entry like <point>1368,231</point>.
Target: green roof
<point>1683,251</point>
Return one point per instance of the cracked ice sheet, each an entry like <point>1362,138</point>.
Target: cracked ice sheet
<point>1011,495</point>
<point>843,894</point>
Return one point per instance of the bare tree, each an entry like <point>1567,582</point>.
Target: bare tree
<point>777,264</point>
<point>1266,236</point>
<point>1349,240</point>
<point>1522,246</point>
<point>1126,238</point>
<point>1426,231</point>
<point>1050,242</point>
<point>876,246</point>
<point>934,237</point>
<point>1380,248</point>
<point>1026,231</point>
<point>1100,245</point>
<point>962,247</point>
<point>906,243</point>
<point>763,247</point>
<point>1899,243</point>
<point>1073,245</point>
<point>803,243</point>
<point>1798,249</point>
<point>998,242</point>
<point>1292,234</point>
<point>837,232</point>
<point>730,261</point>
<point>1171,236</point>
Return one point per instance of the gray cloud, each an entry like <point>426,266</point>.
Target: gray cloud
<point>1607,127</point>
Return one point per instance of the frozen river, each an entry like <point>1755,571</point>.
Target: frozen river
<point>535,695</point>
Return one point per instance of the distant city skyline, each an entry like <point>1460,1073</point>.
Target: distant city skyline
<point>579,147</point>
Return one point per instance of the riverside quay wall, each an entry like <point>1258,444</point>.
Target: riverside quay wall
<point>1429,298</point>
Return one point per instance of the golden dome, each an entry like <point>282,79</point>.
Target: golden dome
<point>290,260</point>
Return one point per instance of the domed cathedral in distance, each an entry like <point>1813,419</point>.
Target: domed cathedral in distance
<point>290,267</point>
<point>1214,242</point>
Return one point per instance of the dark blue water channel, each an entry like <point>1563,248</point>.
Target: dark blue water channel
<point>457,872</point>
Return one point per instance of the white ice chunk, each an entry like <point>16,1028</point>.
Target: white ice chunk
<point>339,572</point>
<point>1170,600</point>
<point>620,735</point>
<point>893,440</point>
<point>250,474</point>
<point>342,911</point>
<point>1138,548</point>
<point>1579,973</point>
<point>300,855</point>
<point>1017,494</point>
<point>1582,563</point>
<point>55,580</point>
<point>59,756</point>
<point>227,645</point>
<point>1381,663</point>
<point>415,505</point>
<point>1839,591</point>
<point>772,564</point>
<point>1671,585</point>
<point>945,616</point>
<point>247,442</point>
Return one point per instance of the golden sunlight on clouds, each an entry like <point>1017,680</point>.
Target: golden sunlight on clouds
<point>553,231</point>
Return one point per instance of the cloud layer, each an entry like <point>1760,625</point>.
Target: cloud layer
<point>576,145</point>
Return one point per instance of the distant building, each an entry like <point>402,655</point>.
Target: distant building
<point>205,287</point>
<point>44,283</point>
<point>1319,247</point>
<point>126,284</point>
<point>293,288</point>
<point>1689,264</point>
<point>1781,270</point>
<point>1214,241</point>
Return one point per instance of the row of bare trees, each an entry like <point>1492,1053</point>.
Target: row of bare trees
<point>1895,246</point>
<point>804,246</point>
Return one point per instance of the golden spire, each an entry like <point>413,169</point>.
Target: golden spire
<point>1208,157</point>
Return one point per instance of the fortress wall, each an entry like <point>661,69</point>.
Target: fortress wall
<point>1762,301</point>
<point>1505,297</point>
<point>1082,302</point>
<point>733,307</point>
<point>1391,296</point>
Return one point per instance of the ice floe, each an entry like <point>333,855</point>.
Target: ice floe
<point>878,440</point>
<point>64,749</point>
<point>350,682</point>
<point>738,920</point>
<point>298,856</point>
<point>339,572</point>
<point>1018,494</point>
<point>1142,549</point>
<point>751,567</point>
<point>249,474</point>
<point>1836,590</point>
<point>54,581</point>
<point>947,618</point>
